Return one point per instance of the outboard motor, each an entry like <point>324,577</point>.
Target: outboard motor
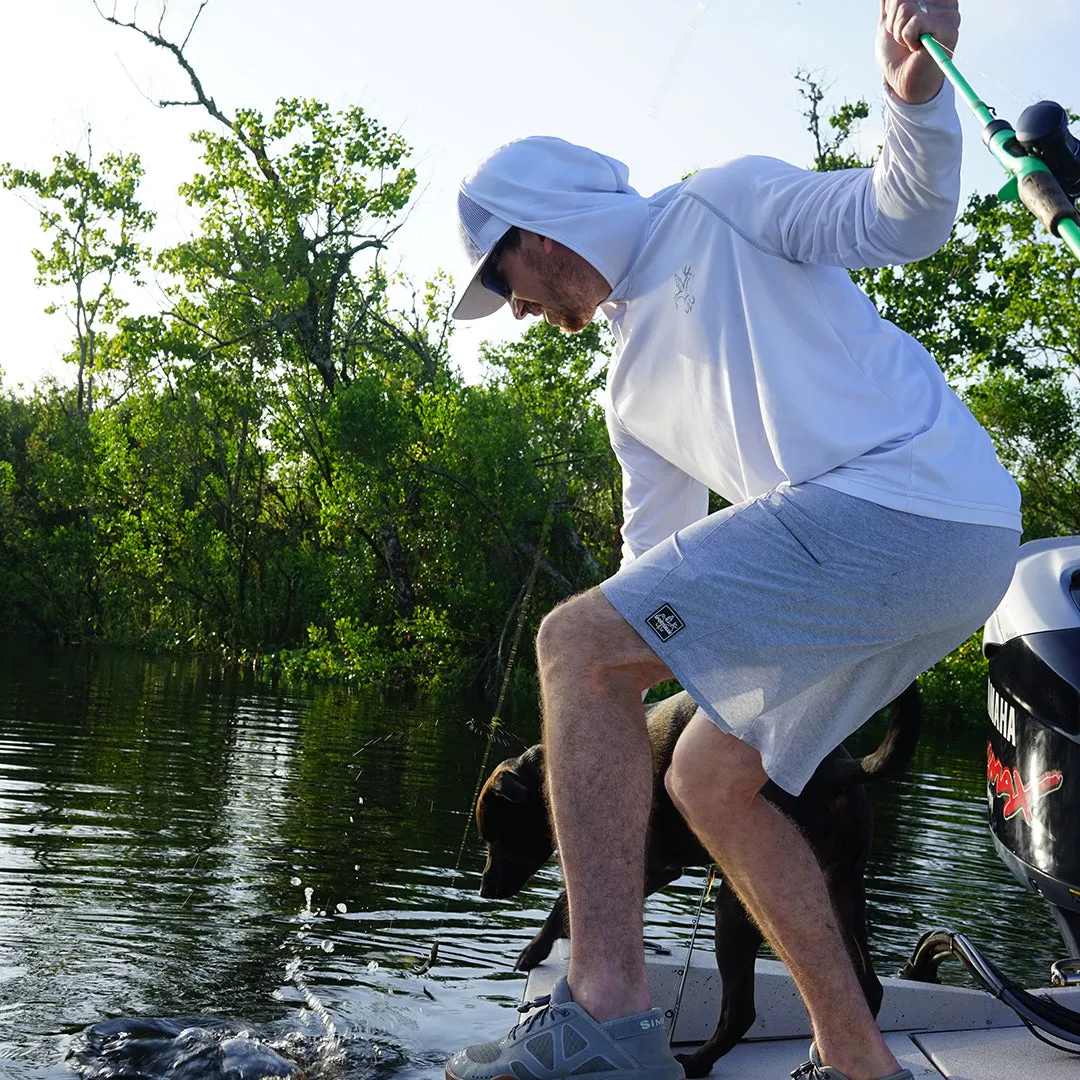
<point>1033,752</point>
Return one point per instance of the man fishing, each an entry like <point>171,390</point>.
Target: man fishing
<point>871,529</point>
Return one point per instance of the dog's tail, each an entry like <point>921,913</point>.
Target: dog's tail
<point>895,751</point>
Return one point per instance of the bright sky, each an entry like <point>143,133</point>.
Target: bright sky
<point>666,86</point>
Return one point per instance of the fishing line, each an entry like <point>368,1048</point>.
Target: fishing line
<point>677,56</point>
<point>496,718</point>
<point>951,54</point>
<point>1008,91</point>
<point>1042,158</point>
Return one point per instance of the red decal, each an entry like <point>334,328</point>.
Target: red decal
<point>1019,797</point>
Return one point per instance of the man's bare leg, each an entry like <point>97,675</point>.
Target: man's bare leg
<point>593,667</point>
<point>776,875</point>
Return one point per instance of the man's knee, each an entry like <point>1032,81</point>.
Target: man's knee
<point>587,634</point>
<point>568,630</point>
<point>712,772</point>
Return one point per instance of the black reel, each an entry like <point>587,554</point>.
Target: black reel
<point>1043,131</point>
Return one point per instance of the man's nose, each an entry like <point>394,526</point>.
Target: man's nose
<point>518,307</point>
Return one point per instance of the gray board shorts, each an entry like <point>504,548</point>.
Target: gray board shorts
<point>794,617</point>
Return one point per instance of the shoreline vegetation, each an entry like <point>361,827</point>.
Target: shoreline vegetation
<point>282,469</point>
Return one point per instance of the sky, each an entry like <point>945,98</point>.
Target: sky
<point>666,86</point>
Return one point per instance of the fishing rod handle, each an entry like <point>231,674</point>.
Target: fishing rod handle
<point>1041,193</point>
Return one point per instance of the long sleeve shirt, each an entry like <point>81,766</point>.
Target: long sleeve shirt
<point>746,357</point>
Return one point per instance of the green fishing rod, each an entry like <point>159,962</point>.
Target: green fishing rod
<point>1040,155</point>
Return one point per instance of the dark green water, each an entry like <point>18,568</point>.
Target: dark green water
<point>178,842</point>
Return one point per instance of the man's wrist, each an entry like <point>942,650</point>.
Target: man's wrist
<point>899,99</point>
<point>922,93</point>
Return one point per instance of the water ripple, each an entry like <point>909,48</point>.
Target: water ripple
<point>178,842</point>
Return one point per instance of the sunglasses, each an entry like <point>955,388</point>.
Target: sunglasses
<point>492,277</point>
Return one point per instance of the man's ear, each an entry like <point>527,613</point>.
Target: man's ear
<point>535,241</point>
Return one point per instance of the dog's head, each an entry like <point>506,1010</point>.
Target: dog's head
<point>512,819</point>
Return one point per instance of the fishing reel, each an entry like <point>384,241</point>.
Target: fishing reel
<point>1043,131</point>
<point>1040,155</point>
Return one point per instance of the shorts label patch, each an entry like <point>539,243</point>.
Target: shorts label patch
<point>665,622</point>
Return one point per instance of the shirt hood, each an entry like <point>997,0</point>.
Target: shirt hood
<point>577,196</point>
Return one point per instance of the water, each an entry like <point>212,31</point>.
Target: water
<point>176,842</point>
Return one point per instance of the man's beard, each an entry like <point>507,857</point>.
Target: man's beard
<point>571,321</point>
<point>567,284</point>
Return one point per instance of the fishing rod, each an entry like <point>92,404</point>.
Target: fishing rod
<point>673,1013</point>
<point>1040,154</point>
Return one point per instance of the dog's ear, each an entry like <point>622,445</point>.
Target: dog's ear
<point>507,785</point>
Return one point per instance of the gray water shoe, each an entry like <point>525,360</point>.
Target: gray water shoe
<point>561,1039</point>
<point>814,1070</point>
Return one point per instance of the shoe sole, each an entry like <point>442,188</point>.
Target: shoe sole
<point>621,1074</point>
<point>454,1076</point>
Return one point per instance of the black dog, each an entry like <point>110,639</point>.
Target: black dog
<point>832,812</point>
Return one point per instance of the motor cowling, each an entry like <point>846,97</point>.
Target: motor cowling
<point>1032,642</point>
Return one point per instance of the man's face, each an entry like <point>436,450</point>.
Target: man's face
<point>548,279</point>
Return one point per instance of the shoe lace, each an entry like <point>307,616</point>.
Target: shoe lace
<point>535,1019</point>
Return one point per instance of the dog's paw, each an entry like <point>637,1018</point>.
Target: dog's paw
<point>694,1065</point>
<point>536,952</point>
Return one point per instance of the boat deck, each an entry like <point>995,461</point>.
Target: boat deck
<point>935,1031</point>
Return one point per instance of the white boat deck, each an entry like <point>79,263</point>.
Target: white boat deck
<point>935,1031</point>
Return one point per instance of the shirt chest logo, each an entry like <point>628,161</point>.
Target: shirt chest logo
<point>665,622</point>
<point>684,298</point>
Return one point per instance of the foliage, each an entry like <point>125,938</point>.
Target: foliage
<point>287,468</point>
<point>283,466</point>
<point>954,689</point>
<point>844,122</point>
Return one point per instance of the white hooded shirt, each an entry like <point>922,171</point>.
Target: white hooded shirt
<point>747,359</point>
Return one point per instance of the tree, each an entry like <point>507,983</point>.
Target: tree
<point>54,549</point>
<point>94,221</point>
<point>556,381</point>
<point>272,290</point>
<point>843,122</point>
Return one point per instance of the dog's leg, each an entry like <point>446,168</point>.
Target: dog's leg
<point>737,944</point>
<point>849,896</point>
<point>556,925</point>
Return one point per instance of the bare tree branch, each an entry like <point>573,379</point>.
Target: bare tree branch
<point>191,28</point>
<point>177,51</point>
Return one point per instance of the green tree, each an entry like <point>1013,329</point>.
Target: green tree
<point>53,547</point>
<point>280,294</point>
<point>94,222</point>
<point>492,482</point>
<point>555,381</point>
<point>844,122</point>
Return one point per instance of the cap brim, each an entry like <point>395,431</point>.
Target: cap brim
<point>477,300</point>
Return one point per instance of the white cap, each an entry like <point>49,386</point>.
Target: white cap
<point>480,232</point>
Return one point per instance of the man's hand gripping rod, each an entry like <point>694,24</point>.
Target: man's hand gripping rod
<point>1043,162</point>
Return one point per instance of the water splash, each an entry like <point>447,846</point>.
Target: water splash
<point>184,1048</point>
<point>329,1048</point>
<point>208,1048</point>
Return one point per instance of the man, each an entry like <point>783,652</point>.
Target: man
<point>872,529</point>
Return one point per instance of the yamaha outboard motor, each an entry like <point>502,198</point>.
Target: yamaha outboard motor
<point>1033,752</point>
